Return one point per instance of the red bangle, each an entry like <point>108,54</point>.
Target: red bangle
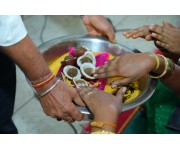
<point>43,83</point>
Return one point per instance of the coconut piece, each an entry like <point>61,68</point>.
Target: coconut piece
<point>79,82</point>
<point>71,72</point>
<point>86,70</point>
<point>69,60</point>
<point>88,57</point>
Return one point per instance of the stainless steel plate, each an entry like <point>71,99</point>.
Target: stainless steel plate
<point>57,47</point>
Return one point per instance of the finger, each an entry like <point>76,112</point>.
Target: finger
<point>157,29</point>
<point>110,34</point>
<point>163,45</point>
<point>159,37</point>
<point>139,34</point>
<point>104,69</point>
<point>108,74</point>
<point>130,33</point>
<point>77,99</point>
<point>167,24</point>
<point>120,93</point>
<point>86,93</point>
<point>122,82</point>
<point>148,37</point>
<point>73,111</point>
<point>109,66</point>
<point>68,119</point>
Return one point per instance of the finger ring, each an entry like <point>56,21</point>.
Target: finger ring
<point>89,93</point>
<point>113,61</point>
<point>68,121</point>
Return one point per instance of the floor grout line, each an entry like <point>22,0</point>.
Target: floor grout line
<point>18,109</point>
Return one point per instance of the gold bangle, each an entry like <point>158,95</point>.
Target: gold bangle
<point>157,61</point>
<point>165,70</point>
<point>102,132</point>
<point>101,124</point>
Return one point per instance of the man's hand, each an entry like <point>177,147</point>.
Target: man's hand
<point>59,103</point>
<point>98,25</point>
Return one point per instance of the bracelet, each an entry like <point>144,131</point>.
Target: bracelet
<point>170,70</point>
<point>157,61</point>
<point>102,132</point>
<point>48,90</point>
<point>41,79</point>
<point>101,124</point>
<point>165,70</point>
<point>44,82</point>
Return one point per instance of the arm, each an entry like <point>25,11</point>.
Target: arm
<point>98,25</point>
<point>134,66</point>
<point>109,110</point>
<point>174,81</point>
<point>57,103</point>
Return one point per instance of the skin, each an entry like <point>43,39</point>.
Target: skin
<point>56,103</point>
<point>129,66</point>
<point>165,37</point>
<point>134,66</point>
<point>110,105</point>
<point>98,25</point>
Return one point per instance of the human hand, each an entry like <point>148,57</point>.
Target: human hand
<point>104,106</point>
<point>58,103</point>
<point>98,25</point>
<point>128,66</point>
<point>142,32</point>
<point>166,37</point>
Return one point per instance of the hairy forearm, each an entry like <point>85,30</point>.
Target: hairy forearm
<point>28,58</point>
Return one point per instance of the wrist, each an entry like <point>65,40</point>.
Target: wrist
<point>109,116</point>
<point>152,62</point>
<point>40,90</point>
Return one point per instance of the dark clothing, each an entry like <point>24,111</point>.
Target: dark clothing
<point>7,94</point>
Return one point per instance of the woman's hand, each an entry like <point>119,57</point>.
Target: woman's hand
<point>142,32</point>
<point>128,66</point>
<point>98,25</point>
<point>105,107</point>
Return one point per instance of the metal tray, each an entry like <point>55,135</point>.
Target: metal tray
<point>55,48</point>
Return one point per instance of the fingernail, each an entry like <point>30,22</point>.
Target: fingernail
<point>151,27</point>
<point>153,34</point>
<point>93,72</point>
<point>114,86</point>
<point>77,86</point>
<point>123,89</point>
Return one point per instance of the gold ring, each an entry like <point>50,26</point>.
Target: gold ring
<point>113,61</point>
<point>89,93</point>
<point>68,121</point>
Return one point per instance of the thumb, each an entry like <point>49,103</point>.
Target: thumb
<point>120,93</point>
<point>167,24</point>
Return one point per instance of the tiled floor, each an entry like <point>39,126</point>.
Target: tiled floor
<point>28,114</point>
